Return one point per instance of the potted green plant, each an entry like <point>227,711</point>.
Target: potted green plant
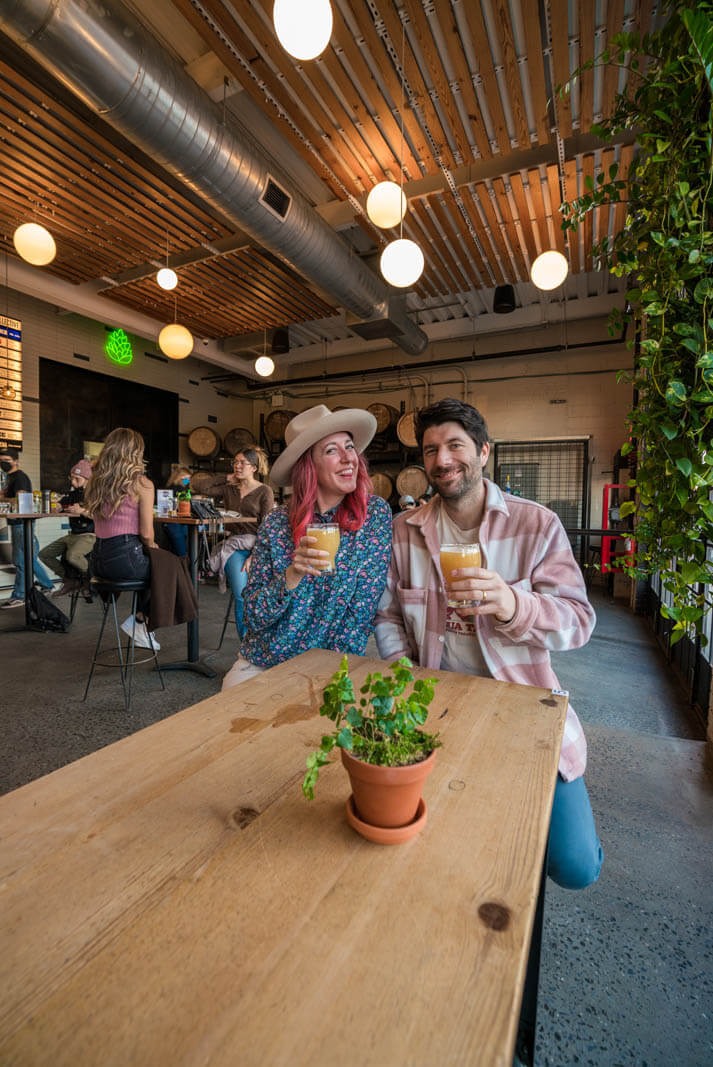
<point>183,502</point>
<point>383,748</point>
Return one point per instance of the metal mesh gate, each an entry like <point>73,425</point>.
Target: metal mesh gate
<point>553,473</point>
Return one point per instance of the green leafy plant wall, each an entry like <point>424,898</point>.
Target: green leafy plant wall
<point>666,253</point>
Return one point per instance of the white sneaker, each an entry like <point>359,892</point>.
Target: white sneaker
<point>140,634</point>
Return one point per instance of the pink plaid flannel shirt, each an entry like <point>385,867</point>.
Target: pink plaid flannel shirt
<point>527,545</point>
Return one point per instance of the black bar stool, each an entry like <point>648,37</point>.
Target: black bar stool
<point>110,592</point>
<point>226,620</point>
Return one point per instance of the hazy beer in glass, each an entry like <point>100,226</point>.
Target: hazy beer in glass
<point>327,538</point>
<point>453,557</point>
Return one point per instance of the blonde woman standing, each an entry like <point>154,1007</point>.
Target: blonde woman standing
<point>120,499</point>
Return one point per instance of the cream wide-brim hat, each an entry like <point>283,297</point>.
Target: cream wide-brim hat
<point>310,426</point>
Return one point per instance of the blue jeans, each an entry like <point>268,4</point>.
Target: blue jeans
<point>237,580</point>
<point>178,536</point>
<point>575,856</point>
<point>18,559</point>
<point>122,558</point>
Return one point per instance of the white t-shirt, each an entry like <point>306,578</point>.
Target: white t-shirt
<point>461,649</point>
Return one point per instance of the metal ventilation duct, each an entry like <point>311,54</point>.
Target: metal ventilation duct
<point>103,54</point>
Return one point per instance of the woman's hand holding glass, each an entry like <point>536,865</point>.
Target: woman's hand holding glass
<point>306,560</point>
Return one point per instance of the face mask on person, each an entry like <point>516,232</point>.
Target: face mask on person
<point>6,466</point>
<point>185,481</point>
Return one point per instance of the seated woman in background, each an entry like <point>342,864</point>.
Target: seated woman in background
<point>242,492</point>
<point>176,533</point>
<point>120,499</point>
<point>291,605</point>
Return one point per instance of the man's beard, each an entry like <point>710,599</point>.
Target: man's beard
<point>470,479</point>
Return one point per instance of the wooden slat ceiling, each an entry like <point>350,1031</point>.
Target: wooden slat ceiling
<point>486,149</point>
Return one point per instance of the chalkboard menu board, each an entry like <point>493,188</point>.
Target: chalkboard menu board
<point>10,383</point>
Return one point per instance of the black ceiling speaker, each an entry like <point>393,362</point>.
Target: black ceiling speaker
<point>280,341</point>
<point>504,300</point>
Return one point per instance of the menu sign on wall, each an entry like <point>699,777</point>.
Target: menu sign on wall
<point>10,383</point>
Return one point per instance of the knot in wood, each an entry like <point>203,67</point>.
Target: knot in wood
<point>495,916</point>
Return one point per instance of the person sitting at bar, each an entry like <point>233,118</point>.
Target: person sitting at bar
<point>67,556</point>
<point>120,499</point>
<point>176,534</point>
<point>292,605</point>
<point>243,492</point>
<point>526,599</point>
<point>18,482</point>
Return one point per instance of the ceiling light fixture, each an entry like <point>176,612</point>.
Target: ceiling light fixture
<point>175,341</point>
<point>167,278</point>
<point>402,261</point>
<point>303,27</point>
<point>549,270</point>
<point>264,366</point>
<point>386,205</point>
<point>35,244</point>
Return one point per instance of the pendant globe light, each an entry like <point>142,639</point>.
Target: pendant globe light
<point>264,366</point>
<point>401,263</point>
<point>549,270</point>
<point>386,205</point>
<point>303,27</point>
<point>174,340</point>
<point>35,244</point>
<point>167,278</point>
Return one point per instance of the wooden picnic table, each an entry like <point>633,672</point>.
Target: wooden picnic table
<point>173,899</point>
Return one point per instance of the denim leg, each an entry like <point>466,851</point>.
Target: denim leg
<point>40,572</point>
<point>237,580</point>
<point>178,536</point>
<point>575,856</point>
<point>18,560</point>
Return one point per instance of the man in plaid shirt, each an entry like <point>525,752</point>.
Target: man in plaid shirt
<point>526,599</point>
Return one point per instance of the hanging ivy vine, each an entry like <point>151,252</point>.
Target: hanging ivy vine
<point>666,253</point>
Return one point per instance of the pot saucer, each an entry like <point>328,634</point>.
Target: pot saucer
<point>383,835</point>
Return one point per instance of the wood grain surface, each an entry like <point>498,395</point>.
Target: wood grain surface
<point>173,899</point>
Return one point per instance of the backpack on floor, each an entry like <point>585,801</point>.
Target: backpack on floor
<point>46,616</point>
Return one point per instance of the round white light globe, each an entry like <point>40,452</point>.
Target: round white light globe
<point>549,270</point>
<point>175,341</point>
<point>386,205</point>
<point>402,263</point>
<point>35,244</point>
<point>167,278</point>
<point>303,27</point>
<point>264,366</point>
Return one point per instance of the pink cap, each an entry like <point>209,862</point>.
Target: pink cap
<point>83,469</point>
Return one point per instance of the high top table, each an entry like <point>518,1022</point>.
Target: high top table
<point>173,898</point>
<point>193,662</point>
<point>27,519</point>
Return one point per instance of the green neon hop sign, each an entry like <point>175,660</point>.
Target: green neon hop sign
<point>118,347</point>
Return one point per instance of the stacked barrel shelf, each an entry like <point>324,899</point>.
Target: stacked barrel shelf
<point>394,457</point>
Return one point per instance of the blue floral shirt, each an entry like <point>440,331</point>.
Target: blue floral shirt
<point>333,611</point>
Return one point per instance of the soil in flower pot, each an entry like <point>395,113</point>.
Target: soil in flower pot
<point>387,796</point>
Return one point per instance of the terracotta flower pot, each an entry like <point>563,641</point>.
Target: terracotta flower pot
<point>183,507</point>
<point>387,796</point>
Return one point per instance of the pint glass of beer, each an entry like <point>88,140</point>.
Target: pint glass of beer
<point>327,537</point>
<point>454,557</point>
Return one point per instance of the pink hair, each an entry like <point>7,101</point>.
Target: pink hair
<point>351,513</point>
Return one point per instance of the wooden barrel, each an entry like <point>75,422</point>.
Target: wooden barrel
<point>383,486</point>
<point>276,423</point>
<point>406,431</point>
<point>412,481</point>
<point>238,439</point>
<point>200,480</point>
<point>204,442</point>
<point>385,416</point>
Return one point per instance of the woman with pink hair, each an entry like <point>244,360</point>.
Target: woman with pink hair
<point>292,601</point>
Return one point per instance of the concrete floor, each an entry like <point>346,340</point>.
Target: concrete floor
<point>627,971</point>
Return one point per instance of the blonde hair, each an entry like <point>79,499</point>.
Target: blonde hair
<point>116,472</point>
<point>257,457</point>
<point>176,474</point>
